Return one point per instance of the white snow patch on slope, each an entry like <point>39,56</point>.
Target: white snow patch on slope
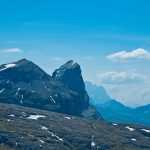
<point>41,141</point>
<point>114,124</point>
<point>93,143</point>
<point>52,99</point>
<point>18,91</point>
<point>54,135</point>
<point>133,139</point>
<point>35,117</point>
<point>44,128</point>
<point>12,115</point>
<point>67,117</point>
<point>8,66</point>
<point>129,128</point>
<point>1,91</point>
<point>145,130</point>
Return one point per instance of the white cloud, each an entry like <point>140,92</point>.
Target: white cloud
<point>12,50</point>
<point>139,53</point>
<point>121,77</point>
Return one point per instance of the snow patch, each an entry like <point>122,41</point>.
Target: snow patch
<point>93,143</point>
<point>44,128</point>
<point>8,66</point>
<point>12,115</point>
<point>129,128</point>
<point>52,99</point>
<point>145,130</point>
<point>54,135</point>
<point>114,124</point>
<point>18,91</point>
<point>35,117</point>
<point>67,117</point>
<point>41,141</point>
<point>133,139</point>
<point>1,91</point>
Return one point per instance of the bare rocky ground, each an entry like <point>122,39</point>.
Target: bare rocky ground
<point>23,128</point>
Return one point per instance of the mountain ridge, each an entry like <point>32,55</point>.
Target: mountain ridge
<point>25,83</point>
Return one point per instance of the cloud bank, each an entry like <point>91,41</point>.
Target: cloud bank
<point>12,50</point>
<point>139,53</point>
<point>128,77</point>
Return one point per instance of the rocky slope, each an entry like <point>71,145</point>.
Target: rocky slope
<point>23,128</point>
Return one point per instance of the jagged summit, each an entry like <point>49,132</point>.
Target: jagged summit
<point>69,64</point>
<point>70,75</point>
<point>68,72</point>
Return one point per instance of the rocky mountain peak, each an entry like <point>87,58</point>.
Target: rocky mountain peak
<point>70,64</point>
<point>71,76</point>
<point>22,71</point>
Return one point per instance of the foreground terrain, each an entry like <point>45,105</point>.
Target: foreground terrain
<point>25,128</point>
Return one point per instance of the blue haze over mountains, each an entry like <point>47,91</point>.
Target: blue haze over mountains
<point>114,111</point>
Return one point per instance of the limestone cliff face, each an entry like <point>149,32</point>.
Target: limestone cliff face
<point>70,75</point>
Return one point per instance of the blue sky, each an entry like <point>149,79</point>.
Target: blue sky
<point>90,32</point>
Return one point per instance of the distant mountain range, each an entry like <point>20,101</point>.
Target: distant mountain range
<point>97,94</point>
<point>114,111</point>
